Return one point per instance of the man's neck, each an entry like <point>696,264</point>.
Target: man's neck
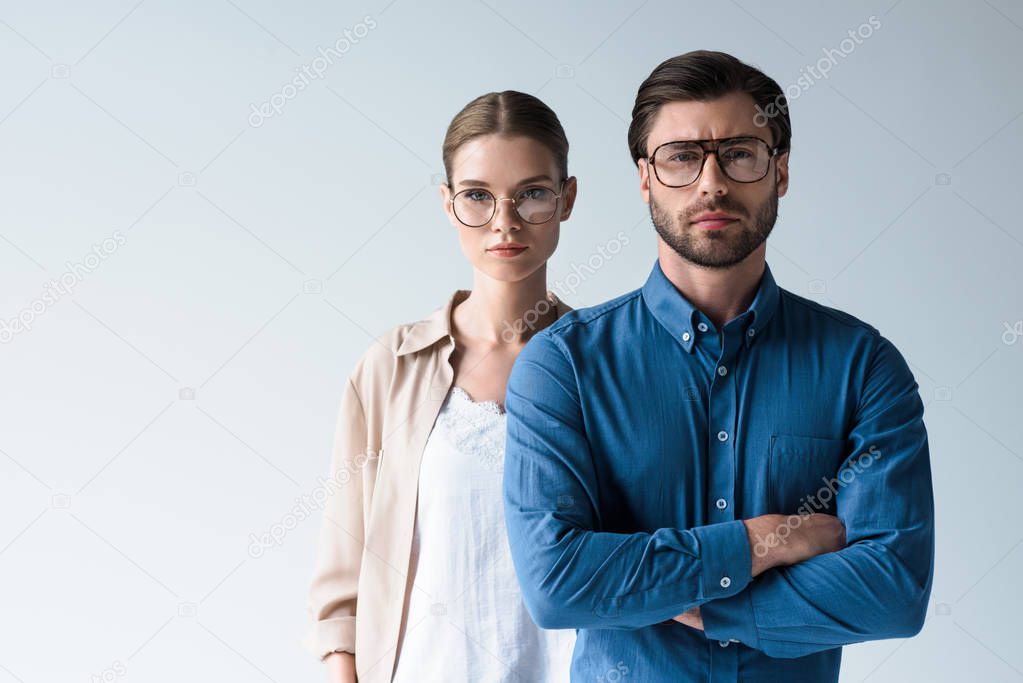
<point>720,293</point>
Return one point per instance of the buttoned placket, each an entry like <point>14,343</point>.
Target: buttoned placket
<point>721,452</point>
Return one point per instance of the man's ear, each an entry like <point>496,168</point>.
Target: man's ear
<point>782,173</point>
<point>644,179</point>
<point>568,195</point>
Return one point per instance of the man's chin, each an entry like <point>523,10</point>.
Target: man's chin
<point>710,253</point>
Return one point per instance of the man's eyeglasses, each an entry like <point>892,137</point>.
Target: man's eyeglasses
<point>475,207</point>
<point>742,159</point>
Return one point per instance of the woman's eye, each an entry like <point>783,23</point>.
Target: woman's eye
<point>477,196</point>
<point>536,193</point>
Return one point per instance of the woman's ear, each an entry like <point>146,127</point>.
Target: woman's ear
<point>568,194</point>
<point>445,195</point>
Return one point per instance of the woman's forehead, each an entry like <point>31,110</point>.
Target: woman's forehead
<point>499,159</point>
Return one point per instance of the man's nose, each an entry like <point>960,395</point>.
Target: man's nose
<point>712,180</point>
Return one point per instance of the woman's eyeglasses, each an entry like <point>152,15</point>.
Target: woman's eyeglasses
<point>475,207</point>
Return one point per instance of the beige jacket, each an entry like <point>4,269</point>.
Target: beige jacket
<point>358,591</point>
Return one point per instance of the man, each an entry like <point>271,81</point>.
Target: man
<point>710,477</point>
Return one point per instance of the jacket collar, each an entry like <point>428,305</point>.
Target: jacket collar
<point>437,325</point>
<point>678,315</point>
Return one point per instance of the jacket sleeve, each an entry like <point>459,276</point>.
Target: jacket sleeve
<point>332,593</point>
<point>572,574</point>
<point>878,586</point>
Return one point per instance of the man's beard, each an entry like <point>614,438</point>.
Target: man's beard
<point>715,248</point>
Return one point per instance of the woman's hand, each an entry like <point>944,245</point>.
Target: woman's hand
<point>691,618</point>
<point>341,667</point>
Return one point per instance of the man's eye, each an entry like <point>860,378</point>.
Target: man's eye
<point>738,154</point>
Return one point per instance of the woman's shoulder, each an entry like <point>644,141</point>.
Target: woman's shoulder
<point>406,339</point>
<point>383,352</point>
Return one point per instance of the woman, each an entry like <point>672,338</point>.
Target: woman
<point>415,534</point>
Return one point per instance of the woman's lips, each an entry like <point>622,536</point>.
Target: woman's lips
<point>506,252</point>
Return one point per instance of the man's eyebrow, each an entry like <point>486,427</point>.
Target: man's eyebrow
<point>723,137</point>
<point>481,183</point>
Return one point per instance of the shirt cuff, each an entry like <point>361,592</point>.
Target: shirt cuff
<point>330,635</point>
<point>726,558</point>
<point>731,619</point>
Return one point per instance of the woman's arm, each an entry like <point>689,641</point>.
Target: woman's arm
<point>333,590</point>
<point>341,667</point>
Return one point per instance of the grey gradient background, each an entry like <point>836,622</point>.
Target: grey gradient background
<point>181,400</point>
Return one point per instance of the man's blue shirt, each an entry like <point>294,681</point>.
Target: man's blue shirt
<point>640,437</point>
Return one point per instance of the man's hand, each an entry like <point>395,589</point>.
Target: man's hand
<point>781,540</point>
<point>691,618</point>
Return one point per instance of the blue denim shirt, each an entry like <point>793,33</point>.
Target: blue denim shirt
<point>639,438</point>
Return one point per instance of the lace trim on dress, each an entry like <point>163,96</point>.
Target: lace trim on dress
<point>477,428</point>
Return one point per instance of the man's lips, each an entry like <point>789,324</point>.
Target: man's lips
<point>714,224</point>
<point>714,220</point>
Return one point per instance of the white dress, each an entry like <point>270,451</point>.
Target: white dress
<point>466,619</point>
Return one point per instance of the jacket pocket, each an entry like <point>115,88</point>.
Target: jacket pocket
<point>802,474</point>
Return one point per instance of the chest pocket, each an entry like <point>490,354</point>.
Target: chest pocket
<point>802,474</point>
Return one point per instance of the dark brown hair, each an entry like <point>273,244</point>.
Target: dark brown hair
<point>704,75</point>
<point>507,113</point>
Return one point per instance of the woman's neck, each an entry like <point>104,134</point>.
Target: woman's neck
<point>502,312</point>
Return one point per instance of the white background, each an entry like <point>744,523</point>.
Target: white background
<point>179,401</point>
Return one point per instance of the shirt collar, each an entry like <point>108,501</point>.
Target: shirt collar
<point>437,325</point>
<point>678,315</point>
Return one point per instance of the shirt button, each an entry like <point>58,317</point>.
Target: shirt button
<point>722,436</point>
<point>750,332</point>
<point>725,582</point>
<point>702,327</point>
<point>685,336</point>
<point>721,503</point>
<point>722,370</point>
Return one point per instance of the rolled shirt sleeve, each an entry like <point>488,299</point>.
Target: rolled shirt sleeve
<point>332,593</point>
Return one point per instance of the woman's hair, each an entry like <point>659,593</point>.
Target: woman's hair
<point>703,75</point>
<point>507,113</point>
